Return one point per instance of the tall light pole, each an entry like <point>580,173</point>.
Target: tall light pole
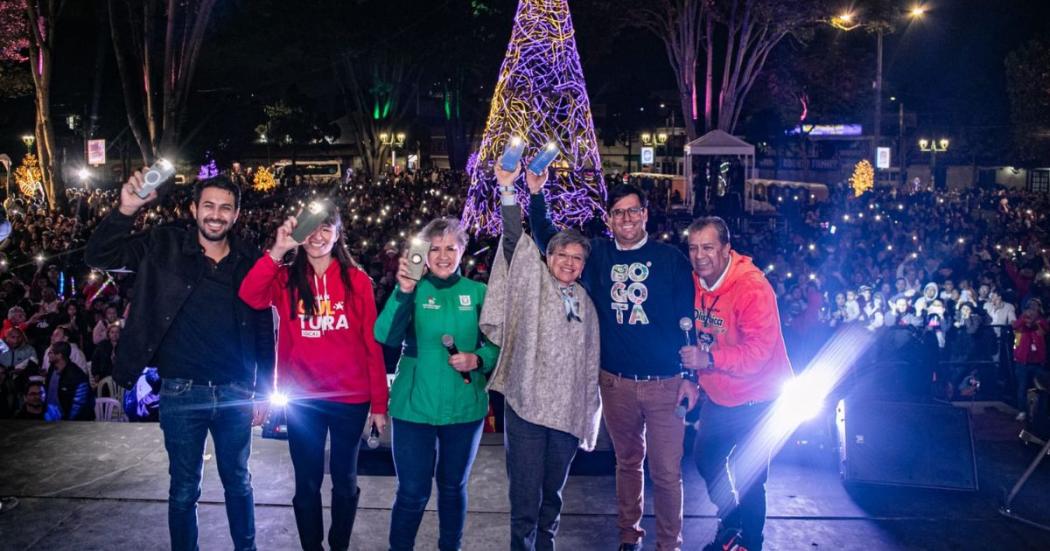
<point>393,141</point>
<point>847,21</point>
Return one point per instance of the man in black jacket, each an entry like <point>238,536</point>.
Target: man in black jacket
<point>213,352</point>
<point>67,385</point>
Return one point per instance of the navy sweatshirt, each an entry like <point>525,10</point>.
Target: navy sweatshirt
<point>640,295</point>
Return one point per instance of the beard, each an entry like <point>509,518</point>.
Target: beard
<point>213,236</point>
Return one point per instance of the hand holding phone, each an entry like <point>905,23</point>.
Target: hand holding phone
<point>160,172</point>
<point>544,159</point>
<point>512,154</point>
<point>417,258</point>
<point>308,220</point>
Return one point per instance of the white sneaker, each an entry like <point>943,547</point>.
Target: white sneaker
<point>1021,416</point>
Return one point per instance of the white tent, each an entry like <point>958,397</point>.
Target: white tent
<point>717,143</point>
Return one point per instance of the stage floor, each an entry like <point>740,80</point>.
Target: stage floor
<point>103,486</point>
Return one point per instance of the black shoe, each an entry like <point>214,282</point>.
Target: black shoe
<point>728,539</point>
<point>630,547</point>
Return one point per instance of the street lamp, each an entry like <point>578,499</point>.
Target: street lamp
<point>650,139</point>
<point>847,21</point>
<point>393,141</point>
<point>933,148</point>
<point>29,140</point>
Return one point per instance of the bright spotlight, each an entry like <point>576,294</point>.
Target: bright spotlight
<point>801,400</point>
<point>278,399</point>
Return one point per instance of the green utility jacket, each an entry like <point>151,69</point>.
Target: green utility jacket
<point>426,389</point>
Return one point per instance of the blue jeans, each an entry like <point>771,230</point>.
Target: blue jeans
<point>309,424</point>
<point>187,413</point>
<point>417,447</point>
<point>538,461</point>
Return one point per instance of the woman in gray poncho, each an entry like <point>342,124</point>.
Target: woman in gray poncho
<point>547,331</point>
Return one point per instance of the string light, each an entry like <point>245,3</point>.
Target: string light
<point>540,95</point>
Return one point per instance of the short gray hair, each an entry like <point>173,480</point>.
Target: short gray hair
<point>445,225</point>
<point>568,237</point>
<point>719,224</point>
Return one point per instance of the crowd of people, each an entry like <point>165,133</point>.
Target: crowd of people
<point>962,273</point>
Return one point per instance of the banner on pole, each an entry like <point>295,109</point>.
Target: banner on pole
<point>96,152</point>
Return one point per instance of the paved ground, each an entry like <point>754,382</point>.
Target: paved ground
<point>102,486</point>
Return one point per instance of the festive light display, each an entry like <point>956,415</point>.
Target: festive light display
<point>28,175</point>
<point>540,96</point>
<point>208,170</point>
<point>863,178</point>
<point>263,180</point>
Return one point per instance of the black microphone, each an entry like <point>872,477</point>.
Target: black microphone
<point>450,345</point>
<point>686,325</point>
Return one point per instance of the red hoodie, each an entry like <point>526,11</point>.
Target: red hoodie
<point>750,360</point>
<point>331,355</point>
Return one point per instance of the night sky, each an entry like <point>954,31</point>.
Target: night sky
<point>948,68</point>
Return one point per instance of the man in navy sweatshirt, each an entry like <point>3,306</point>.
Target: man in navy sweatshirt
<point>641,289</point>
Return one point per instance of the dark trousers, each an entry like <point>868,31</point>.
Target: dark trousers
<point>1025,375</point>
<point>309,424</point>
<point>422,453</point>
<point>187,413</point>
<point>538,461</point>
<point>734,467</point>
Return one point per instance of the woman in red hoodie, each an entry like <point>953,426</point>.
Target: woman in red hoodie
<point>329,365</point>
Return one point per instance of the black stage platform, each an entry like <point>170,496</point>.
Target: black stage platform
<point>103,486</point>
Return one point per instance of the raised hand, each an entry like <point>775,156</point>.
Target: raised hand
<point>405,283</point>
<point>536,181</point>
<point>130,202</point>
<point>503,177</point>
<point>283,241</point>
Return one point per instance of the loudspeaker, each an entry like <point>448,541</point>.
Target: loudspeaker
<point>906,444</point>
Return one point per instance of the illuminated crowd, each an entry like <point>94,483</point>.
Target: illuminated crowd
<point>955,269</point>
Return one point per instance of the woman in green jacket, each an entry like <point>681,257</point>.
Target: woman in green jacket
<point>432,404</point>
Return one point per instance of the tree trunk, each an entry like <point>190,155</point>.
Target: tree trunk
<point>678,24</point>
<point>41,41</point>
<point>156,81</point>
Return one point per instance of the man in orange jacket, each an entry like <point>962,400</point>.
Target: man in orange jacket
<point>742,365</point>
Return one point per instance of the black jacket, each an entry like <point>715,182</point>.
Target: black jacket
<point>74,393</point>
<point>167,269</point>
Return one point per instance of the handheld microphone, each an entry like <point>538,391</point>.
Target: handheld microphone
<point>373,438</point>
<point>686,325</point>
<point>450,345</point>
<point>682,408</point>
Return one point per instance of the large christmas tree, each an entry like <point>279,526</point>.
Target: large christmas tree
<point>540,96</point>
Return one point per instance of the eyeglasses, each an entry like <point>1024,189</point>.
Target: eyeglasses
<point>635,212</point>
